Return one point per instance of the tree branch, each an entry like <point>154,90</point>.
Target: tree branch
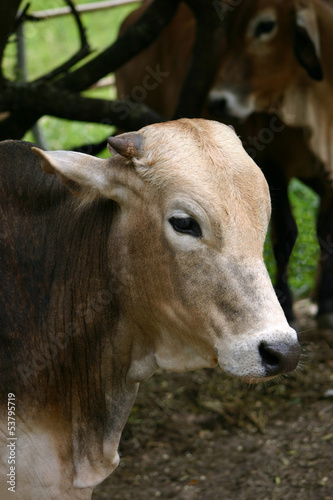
<point>8,9</point>
<point>206,51</point>
<point>83,51</point>
<point>45,98</point>
<point>135,39</point>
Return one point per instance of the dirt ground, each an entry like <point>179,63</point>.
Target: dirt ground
<point>201,435</point>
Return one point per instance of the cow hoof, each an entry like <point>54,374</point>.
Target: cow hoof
<point>325,321</point>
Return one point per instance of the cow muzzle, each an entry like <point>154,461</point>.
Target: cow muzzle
<point>278,358</point>
<point>224,104</point>
<point>259,355</point>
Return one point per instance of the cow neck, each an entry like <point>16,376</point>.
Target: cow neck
<point>81,365</point>
<point>100,399</point>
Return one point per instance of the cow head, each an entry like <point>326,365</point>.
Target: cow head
<point>269,45</point>
<point>186,249</point>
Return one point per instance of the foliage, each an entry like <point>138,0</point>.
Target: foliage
<point>303,262</point>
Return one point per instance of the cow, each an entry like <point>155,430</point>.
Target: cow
<point>278,56</point>
<point>284,155</point>
<point>113,268</point>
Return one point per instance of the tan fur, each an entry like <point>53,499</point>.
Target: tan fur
<point>174,300</point>
<point>198,143</point>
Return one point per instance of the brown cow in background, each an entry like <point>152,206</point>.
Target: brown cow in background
<point>282,155</point>
<point>278,56</point>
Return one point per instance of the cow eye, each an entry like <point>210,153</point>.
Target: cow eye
<point>264,28</point>
<point>186,225</point>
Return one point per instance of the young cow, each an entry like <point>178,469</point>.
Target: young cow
<point>159,264</point>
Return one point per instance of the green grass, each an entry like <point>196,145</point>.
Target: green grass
<point>303,262</point>
<point>50,43</point>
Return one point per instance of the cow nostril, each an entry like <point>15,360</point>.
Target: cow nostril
<point>268,356</point>
<point>279,358</point>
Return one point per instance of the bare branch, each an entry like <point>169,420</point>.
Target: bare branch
<point>206,51</point>
<point>8,9</point>
<point>21,17</point>
<point>80,26</point>
<point>134,40</point>
<point>44,98</point>
<point>83,51</point>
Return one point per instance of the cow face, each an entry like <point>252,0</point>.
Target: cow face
<point>186,249</point>
<point>269,45</point>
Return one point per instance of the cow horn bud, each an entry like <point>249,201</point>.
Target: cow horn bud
<point>129,145</point>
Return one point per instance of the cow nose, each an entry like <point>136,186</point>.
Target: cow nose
<point>217,107</point>
<point>279,358</point>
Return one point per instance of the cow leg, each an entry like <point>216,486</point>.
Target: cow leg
<point>325,281</point>
<point>283,237</point>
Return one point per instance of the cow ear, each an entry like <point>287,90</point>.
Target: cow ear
<point>307,41</point>
<point>88,177</point>
<point>85,176</point>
